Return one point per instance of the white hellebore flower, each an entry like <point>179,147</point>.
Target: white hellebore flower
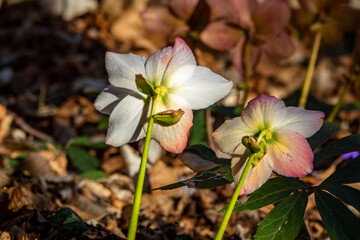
<point>178,83</point>
<point>284,131</point>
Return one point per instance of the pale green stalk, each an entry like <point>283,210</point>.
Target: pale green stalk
<point>336,108</point>
<point>233,200</point>
<point>247,65</point>
<point>310,70</point>
<point>141,177</point>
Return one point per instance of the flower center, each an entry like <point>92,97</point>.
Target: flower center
<point>161,91</point>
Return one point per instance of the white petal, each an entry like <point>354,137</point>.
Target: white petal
<point>303,121</point>
<point>127,120</point>
<point>229,135</point>
<point>203,88</point>
<point>163,63</point>
<point>122,68</point>
<point>108,99</point>
<point>264,112</point>
<point>173,138</point>
<point>256,176</point>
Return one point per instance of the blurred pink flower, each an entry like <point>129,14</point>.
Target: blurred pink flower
<point>179,84</point>
<point>177,17</point>
<point>259,24</point>
<point>286,129</point>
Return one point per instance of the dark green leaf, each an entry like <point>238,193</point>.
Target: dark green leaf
<point>272,191</point>
<point>345,193</point>
<point>103,123</point>
<point>304,233</point>
<point>226,112</point>
<point>311,104</point>
<point>339,221</point>
<point>285,220</point>
<point>85,141</point>
<point>347,174</point>
<point>208,179</point>
<point>198,130</point>
<point>93,174</point>
<point>325,132</point>
<point>208,154</point>
<point>82,159</point>
<point>344,145</point>
<point>69,224</point>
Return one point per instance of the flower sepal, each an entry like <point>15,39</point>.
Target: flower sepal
<point>144,86</point>
<point>169,117</point>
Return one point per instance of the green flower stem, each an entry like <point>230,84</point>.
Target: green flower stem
<point>247,65</point>
<point>233,200</point>
<point>141,177</point>
<point>310,70</point>
<point>336,108</point>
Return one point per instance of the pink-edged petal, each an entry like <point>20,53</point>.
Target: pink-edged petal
<point>229,135</point>
<point>122,68</point>
<point>221,9</point>
<point>237,58</point>
<point>290,154</point>
<point>159,19</point>
<point>220,36</point>
<point>163,63</point>
<point>127,120</point>
<point>305,122</point>
<point>264,112</point>
<point>108,99</point>
<point>203,88</point>
<point>256,176</point>
<point>173,138</point>
<point>183,8</point>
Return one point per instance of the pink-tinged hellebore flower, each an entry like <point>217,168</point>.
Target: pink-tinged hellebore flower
<point>260,25</point>
<point>180,85</point>
<point>285,131</point>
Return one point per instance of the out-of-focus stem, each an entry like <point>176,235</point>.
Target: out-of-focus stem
<point>247,66</point>
<point>336,108</point>
<point>209,128</point>
<point>141,177</point>
<point>310,70</point>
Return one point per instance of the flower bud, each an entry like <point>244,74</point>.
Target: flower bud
<point>144,85</point>
<point>169,117</point>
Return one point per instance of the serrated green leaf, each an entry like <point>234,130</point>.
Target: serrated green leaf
<point>285,220</point>
<point>82,159</point>
<point>325,132</point>
<point>198,130</point>
<point>347,174</point>
<point>208,179</point>
<point>345,193</point>
<point>344,145</point>
<point>339,221</point>
<point>85,141</point>
<point>272,191</point>
<point>93,174</point>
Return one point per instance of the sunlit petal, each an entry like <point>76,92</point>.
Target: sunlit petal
<point>203,88</point>
<point>290,154</point>
<point>126,121</point>
<point>257,174</point>
<point>122,68</point>
<point>173,138</point>
<point>306,122</point>
<point>228,136</point>
<point>264,112</point>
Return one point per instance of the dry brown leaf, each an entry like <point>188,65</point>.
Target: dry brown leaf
<point>5,236</point>
<point>19,197</point>
<point>5,122</point>
<point>4,178</point>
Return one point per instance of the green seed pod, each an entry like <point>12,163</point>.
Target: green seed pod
<point>144,85</point>
<point>169,117</point>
